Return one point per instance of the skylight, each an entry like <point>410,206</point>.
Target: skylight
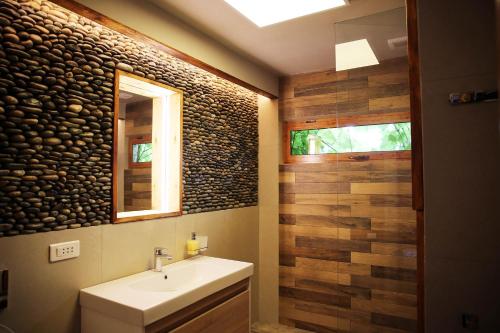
<point>267,12</point>
<point>354,54</point>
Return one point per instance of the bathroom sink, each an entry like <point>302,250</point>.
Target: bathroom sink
<point>172,278</point>
<point>146,297</point>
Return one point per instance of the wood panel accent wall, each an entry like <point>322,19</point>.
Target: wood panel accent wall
<point>370,90</point>
<point>347,228</point>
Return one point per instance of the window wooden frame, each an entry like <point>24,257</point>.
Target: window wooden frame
<point>378,119</point>
<point>137,140</point>
<point>116,109</point>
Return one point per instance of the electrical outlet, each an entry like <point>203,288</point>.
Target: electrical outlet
<point>63,251</point>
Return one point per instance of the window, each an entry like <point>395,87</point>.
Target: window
<point>140,152</point>
<point>350,138</point>
<point>147,160</point>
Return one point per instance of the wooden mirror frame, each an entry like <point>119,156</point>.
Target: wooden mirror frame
<point>116,109</point>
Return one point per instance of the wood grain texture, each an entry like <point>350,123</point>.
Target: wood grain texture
<point>232,316</point>
<point>348,232</point>
<point>186,315</point>
<point>360,91</point>
<point>138,129</point>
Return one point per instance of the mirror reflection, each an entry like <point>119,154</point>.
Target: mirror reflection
<point>148,148</point>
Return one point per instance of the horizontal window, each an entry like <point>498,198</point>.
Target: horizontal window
<point>352,139</point>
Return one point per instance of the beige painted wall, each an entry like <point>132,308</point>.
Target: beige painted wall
<point>269,151</point>
<point>44,297</point>
<point>461,165</point>
<point>166,28</point>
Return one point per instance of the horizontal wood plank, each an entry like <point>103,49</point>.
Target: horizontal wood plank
<point>347,228</point>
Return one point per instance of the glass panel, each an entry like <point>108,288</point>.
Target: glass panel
<point>374,197</point>
<point>352,139</point>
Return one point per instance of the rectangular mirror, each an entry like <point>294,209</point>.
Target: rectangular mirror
<point>147,149</point>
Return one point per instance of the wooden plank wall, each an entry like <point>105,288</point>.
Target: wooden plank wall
<point>347,229</point>
<point>370,90</point>
<point>137,187</point>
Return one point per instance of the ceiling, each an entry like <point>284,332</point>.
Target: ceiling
<point>300,45</point>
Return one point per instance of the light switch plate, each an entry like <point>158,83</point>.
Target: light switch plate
<point>63,251</point>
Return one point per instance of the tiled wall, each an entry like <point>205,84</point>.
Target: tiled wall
<point>347,229</point>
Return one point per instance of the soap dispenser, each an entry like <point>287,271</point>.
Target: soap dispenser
<point>193,246</point>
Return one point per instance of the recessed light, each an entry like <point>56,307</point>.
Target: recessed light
<point>267,12</point>
<point>354,54</point>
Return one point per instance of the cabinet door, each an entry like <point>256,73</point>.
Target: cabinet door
<point>232,316</point>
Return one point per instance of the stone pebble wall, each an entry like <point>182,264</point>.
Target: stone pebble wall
<point>56,122</point>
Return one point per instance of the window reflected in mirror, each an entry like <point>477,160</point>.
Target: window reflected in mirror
<point>147,181</point>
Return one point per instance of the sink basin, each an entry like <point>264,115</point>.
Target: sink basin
<point>172,279</point>
<point>146,297</point>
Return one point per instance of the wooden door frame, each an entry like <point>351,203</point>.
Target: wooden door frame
<point>417,153</point>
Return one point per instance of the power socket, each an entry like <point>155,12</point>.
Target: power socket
<point>63,251</point>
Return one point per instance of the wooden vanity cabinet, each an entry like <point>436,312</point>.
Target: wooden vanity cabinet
<point>226,311</point>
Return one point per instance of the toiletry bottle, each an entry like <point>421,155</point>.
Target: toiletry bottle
<point>193,245</point>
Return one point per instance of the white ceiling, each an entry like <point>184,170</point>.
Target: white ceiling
<point>301,45</point>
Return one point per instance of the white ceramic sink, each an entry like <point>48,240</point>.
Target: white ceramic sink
<point>173,278</point>
<point>144,298</point>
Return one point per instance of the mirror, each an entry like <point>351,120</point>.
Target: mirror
<point>147,159</point>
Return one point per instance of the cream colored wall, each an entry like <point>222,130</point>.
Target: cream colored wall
<point>269,148</point>
<point>164,27</point>
<point>43,297</point>
<point>461,165</point>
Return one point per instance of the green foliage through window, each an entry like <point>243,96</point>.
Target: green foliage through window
<point>353,139</point>
<point>142,152</point>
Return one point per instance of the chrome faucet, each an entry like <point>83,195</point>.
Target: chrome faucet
<point>160,252</point>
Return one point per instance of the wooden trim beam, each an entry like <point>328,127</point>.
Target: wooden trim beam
<point>417,153</point>
<point>125,30</point>
<point>415,106</point>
